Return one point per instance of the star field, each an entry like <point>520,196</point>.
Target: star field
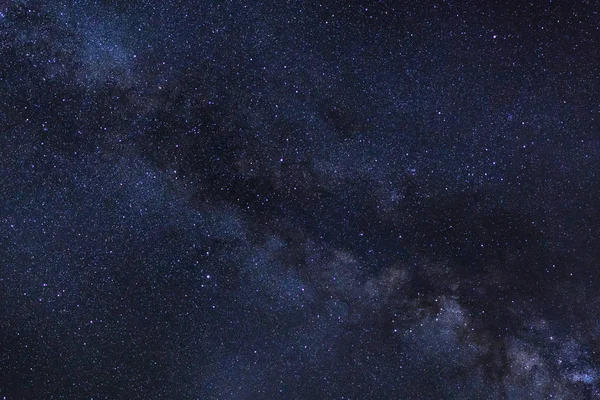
<point>299,200</point>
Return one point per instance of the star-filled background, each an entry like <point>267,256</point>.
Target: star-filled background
<point>299,200</point>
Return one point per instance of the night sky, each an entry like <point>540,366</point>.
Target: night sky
<point>300,200</point>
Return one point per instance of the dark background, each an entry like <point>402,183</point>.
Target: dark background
<point>299,200</point>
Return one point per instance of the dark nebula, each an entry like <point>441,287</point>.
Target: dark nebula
<point>299,200</point>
